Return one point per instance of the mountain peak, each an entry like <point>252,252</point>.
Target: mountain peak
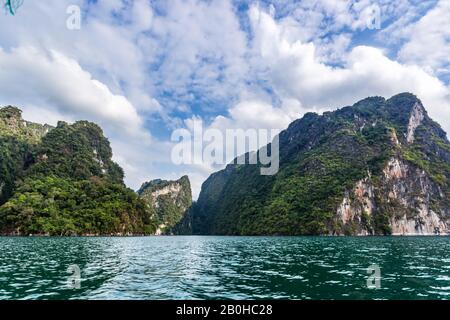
<point>160,183</point>
<point>10,112</point>
<point>405,96</point>
<point>405,103</point>
<point>13,125</point>
<point>169,200</point>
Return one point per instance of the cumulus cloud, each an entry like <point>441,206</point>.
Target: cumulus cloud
<point>295,72</point>
<point>106,46</point>
<point>258,115</point>
<point>33,77</point>
<point>203,53</point>
<point>428,40</point>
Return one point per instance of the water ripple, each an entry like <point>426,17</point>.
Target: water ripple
<point>225,268</point>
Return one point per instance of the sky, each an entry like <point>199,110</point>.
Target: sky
<point>142,69</point>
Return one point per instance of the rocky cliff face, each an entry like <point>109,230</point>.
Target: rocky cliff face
<point>12,124</point>
<point>377,167</point>
<point>416,203</point>
<point>62,181</point>
<point>17,139</point>
<point>405,192</point>
<point>168,200</point>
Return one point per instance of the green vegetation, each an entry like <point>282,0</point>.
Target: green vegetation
<point>322,159</point>
<point>62,181</point>
<point>18,139</point>
<point>435,166</point>
<point>12,161</point>
<point>61,206</point>
<point>169,202</point>
<point>77,151</point>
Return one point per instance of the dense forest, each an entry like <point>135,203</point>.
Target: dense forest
<point>377,167</point>
<point>62,181</point>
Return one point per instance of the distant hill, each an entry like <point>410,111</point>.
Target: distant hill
<point>170,201</point>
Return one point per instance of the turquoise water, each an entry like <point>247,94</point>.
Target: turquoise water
<point>225,268</point>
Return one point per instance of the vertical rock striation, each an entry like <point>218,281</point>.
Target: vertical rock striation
<point>169,201</point>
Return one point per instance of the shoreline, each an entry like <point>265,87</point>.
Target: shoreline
<point>230,236</point>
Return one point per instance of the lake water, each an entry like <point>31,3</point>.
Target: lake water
<point>224,268</point>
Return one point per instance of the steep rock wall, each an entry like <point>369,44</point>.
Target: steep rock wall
<point>169,202</point>
<point>405,194</point>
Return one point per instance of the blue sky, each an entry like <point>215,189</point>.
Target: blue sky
<point>144,68</point>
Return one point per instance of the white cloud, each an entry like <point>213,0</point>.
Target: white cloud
<point>428,42</point>
<point>142,15</point>
<point>201,49</point>
<point>107,48</point>
<point>295,72</point>
<point>254,114</point>
<point>51,80</point>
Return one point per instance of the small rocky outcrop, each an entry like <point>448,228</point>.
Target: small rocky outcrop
<point>169,201</point>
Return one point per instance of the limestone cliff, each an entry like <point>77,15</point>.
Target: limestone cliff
<point>62,181</point>
<point>415,203</point>
<point>407,193</point>
<point>169,202</point>
<point>12,124</point>
<point>17,139</point>
<point>379,167</point>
